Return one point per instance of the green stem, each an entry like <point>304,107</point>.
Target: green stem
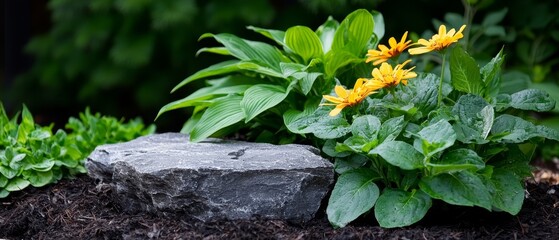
<point>440,97</point>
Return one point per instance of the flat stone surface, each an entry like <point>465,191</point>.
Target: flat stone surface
<point>214,179</point>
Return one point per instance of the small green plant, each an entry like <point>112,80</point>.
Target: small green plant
<point>265,87</point>
<point>33,155</point>
<point>401,139</point>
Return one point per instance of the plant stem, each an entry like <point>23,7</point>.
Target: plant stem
<point>440,96</point>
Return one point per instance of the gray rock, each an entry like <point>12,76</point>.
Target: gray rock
<point>214,179</point>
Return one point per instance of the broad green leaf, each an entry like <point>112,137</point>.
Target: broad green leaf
<point>354,194</point>
<point>260,98</point>
<point>509,191</point>
<point>513,160</point>
<point>465,72</point>
<point>320,124</point>
<point>493,18</point>
<point>421,92</point>
<point>354,32</point>
<point>214,70</point>
<point>38,179</point>
<point>3,181</point>
<point>532,99</point>
<point>490,74</point>
<point>436,137</point>
<point>397,208</point>
<point>288,69</point>
<point>39,134</point>
<point>202,94</point>
<point>276,35</point>
<point>326,33</point>
<point>216,50</point>
<point>514,81</point>
<point>475,118</point>
<point>337,59</point>
<point>307,80</point>
<point>4,193</point>
<point>16,184</point>
<point>259,68</point>
<point>512,129</point>
<point>391,129</point>
<point>366,126</point>
<point>346,164</point>
<point>399,154</point>
<point>68,162</point>
<point>43,166</point>
<point>457,160</point>
<point>260,52</point>
<point>551,88</point>
<point>329,148</point>
<point>304,42</point>
<point>292,115</point>
<point>223,113</point>
<point>460,188</point>
<point>7,172</point>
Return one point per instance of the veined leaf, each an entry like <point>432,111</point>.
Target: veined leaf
<point>214,70</point>
<point>223,113</point>
<point>256,67</point>
<point>304,42</point>
<point>354,194</point>
<point>532,99</point>
<point>465,72</point>
<point>354,32</point>
<point>326,33</point>
<point>475,118</point>
<point>276,35</point>
<point>260,52</point>
<point>216,50</point>
<point>391,128</point>
<point>460,188</point>
<point>38,179</point>
<point>320,124</point>
<point>490,74</point>
<point>509,192</point>
<point>260,98</point>
<point>457,160</point>
<point>511,129</point>
<point>436,137</point>
<point>336,59</point>
<point>398,208</point>
<point>400,154</point>
<point>379,27</point>
<point>17,184</point>
<point>366,126</point>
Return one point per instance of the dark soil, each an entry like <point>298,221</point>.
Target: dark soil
<point>80,209</point>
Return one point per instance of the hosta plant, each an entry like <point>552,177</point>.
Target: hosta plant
<point>32,155</point>
<point>265,86</point>
<point>401,139</point>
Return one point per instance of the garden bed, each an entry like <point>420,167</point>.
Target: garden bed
<point>81,209</point>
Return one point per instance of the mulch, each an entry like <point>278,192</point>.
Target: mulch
<point>82,209</point>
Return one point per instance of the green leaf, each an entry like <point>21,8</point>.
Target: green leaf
<point>490,74</point>
<point>465,72</point>
<point>39,134</point>
<point>17,184</point>
<point>249,50</point>
<point>436,137</point>
<point>493,18</point>
<point>307,80</point>
<point>354,32</point>
<point>346,164</point>
<point>379,25</point>
<point>304,42</point>
<point>259,68</point>
<point>276,35</point>
<point>366,126</point>
<point>320,124</point>
<point>38,179</point>
<point>260,98</point>
<point>515,161</point>
<point>202,95</point>
<point>4,193</point>
<point>551,88</point>
<point>223,113</point>
<point>43,166</point>
<point>457,160</point>
<point>337,59</point>
<point>7,172</point>
<point>216,50</point>
<point>326,33</point>
<point>214,70</point>
<point>354,194</point>
<point>399,154</point>
<point>509,191</point>
<point>511,129</point>
<point>3,181</point>
<point>532,99</point>
<point>422,92</point>
<point>391,129</point>
<point>514,81</point>
<point>397,208</point>
<point>475,119</point>
<point>460,188</point>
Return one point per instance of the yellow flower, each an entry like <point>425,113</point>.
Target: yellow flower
<point>347,98</point>
<point>386,76</point>
<point>438,41</point>
<point>384,53</point>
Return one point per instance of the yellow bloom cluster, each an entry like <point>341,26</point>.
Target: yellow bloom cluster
<point>386,76</point>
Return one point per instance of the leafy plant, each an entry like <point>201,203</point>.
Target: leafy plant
<point>33,155</point>
<point>264,87</point>
<point>403,139</point>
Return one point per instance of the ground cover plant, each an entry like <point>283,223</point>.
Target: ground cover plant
<point>32,155</point>
<point>399,138</point>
